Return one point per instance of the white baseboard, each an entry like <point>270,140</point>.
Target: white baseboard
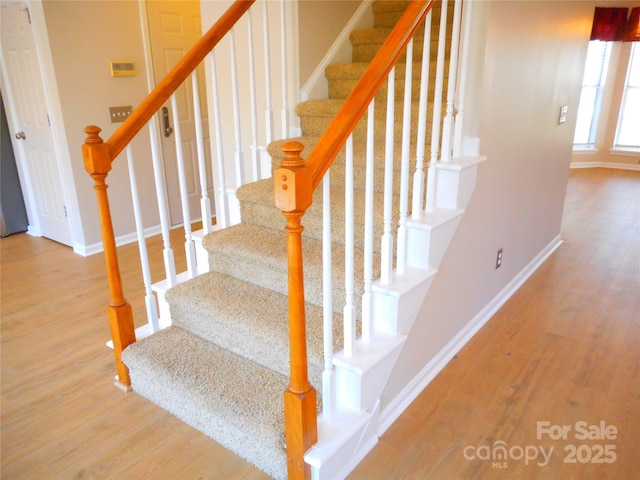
<point>618,166</point>
<point>87,250</point>
<point>399,404</point>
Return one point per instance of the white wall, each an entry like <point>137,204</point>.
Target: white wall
<point>533,64</point>
<point>83,37</point>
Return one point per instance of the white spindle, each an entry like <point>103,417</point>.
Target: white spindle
<point>404,166</point>
<point>349,311</point>
<point>149,298</point>
<point>267,76</point>
<point>368,227</point>
<point>222,208</point>
<point>437,110</point>
<point>462,85</point>
<point>239,158</point>
<point>327,301</point>
<point>255,164</point>
<point>418,176</point>
<point>163,210</point>
<point>447,126</point>
<point>205,203</point>
<point>189,246</point>
<point>386,255</point>
<point>283,80</point>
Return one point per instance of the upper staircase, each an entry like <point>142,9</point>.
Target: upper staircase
<point>224,361</point>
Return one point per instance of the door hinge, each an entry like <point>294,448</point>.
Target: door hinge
<point>65,211</point>
<point>48,119</point>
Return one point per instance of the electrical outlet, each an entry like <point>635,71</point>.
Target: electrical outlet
<point>499,259</point>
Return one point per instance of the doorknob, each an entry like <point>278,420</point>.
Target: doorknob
<point>20,136</point>
<point>165,120</point>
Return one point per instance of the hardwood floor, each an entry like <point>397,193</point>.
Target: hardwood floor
<point>564,349</point>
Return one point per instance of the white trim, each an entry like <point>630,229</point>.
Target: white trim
<point>618,166</point>
<point>316,85</point>
<point>398,405</point>
<point>88,250</point>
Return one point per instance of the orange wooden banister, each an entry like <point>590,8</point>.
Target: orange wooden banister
<point>294,184</point>
<point>159,95</point>
<point>97,162</point>
<point>99,155</point>
<point>336,134</point>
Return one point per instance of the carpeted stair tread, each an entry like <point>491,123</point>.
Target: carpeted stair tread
<point>316,115</point>
<point>343,77</point>
<point>256,207</point>
<point>234,401</point>
<point>248,320</point>
<point>258,255</point>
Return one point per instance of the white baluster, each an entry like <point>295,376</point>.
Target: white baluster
<point>189,246</point>
<point>163,210</point>
<point>368,227</point>
<point>239,158</point>
<point>404,166</point>
<point>205,203</point>
<point>222,208</point>
<point>328,379</point>
<point>437,110</point>
<point>349,311</point>
<point>267,76</point>
<point>386,255</point>
<point>255,164</point>
<point>462,86</point>
<point>283,80</point>
<point>447,126</point>
<point>149,298</point>
<point>418,176</point>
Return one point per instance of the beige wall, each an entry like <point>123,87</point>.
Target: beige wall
<point>318,27</point>
<point>84,36</point>
<point>533,64</point>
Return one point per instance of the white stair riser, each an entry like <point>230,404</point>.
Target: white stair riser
<point>395,313</point>
<point>361,388</point>
<point>427,245</point>
<point>455,187</point>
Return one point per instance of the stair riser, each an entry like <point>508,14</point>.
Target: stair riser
<point>341,83</point>
<point>317,124</point>
<point>365,48</point>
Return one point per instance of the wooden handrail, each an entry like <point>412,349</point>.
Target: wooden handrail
<point>159,95</point>
<point>99,156</point>
<point>294,184</point>
<point>336,134</point>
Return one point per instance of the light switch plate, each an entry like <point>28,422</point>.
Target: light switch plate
<point>563,114</point>
<point>119,114</point>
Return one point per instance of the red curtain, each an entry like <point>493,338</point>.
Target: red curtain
<point>633,26</point>
<point>609,24</point>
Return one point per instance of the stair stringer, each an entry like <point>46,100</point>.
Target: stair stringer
<point>346,438</point>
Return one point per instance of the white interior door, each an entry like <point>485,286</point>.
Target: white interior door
<point>174,26</point>
<point>29,122</point>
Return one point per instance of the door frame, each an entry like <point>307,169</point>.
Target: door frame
<point>61,148</point>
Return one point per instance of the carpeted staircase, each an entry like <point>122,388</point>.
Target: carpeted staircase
<point>223,365</point>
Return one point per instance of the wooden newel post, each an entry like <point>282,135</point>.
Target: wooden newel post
<point>293,192</point>
<point>97,162</point>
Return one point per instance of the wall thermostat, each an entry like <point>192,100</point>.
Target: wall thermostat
<point>122,68</point>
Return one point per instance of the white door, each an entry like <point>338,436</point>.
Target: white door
<point>28,108</point>
<point>174,26</point>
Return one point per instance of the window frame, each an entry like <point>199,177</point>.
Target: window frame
<point>634,56</point>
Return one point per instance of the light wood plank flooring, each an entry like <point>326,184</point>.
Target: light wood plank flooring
<point>564,349</point>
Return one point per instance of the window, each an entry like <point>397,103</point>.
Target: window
<point>593,82</point>
<point>628,131</point>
